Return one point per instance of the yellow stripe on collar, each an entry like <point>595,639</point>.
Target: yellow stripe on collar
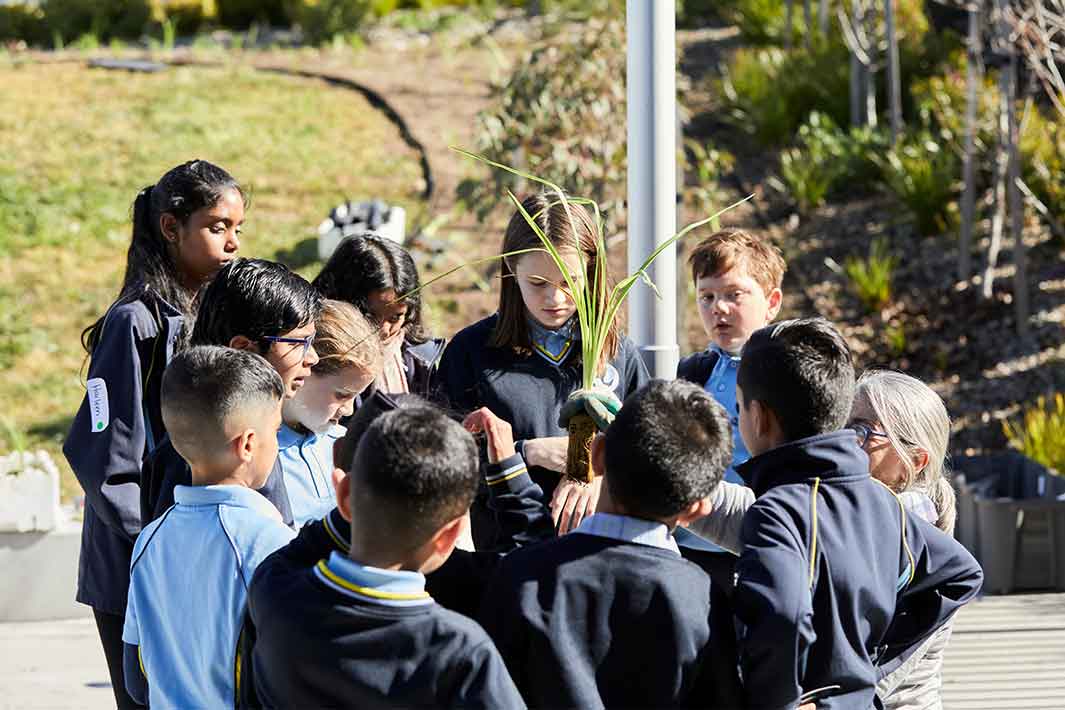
<point>561,356</point>
<point>902,523</point>
<point>369,591</point>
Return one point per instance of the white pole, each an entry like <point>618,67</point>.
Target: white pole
<point>652,160</point>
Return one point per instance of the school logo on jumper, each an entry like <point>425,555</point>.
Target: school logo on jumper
<point>610,379</point>
<point>99,413</point>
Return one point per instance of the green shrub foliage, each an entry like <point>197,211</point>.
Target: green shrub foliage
<point>102,19</point>
<point>561,116</point>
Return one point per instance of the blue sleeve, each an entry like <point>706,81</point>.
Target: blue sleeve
<point>106,453</point>
<point>944,578</point>
<point>136,683</point>
<point>487,683</point>
<point>772,599</point>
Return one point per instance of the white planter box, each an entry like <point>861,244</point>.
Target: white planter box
<point>29,493</point>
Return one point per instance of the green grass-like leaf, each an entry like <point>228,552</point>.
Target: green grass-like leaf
<point>1040,433</point>
<point>596,309</point>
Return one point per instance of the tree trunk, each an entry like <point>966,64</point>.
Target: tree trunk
<point>1001,176</point>
<point>822,18</point>
<point>869,23</point>
<point>974,74</point>
<point>1016,206</point>
<point>857,77</point>
<point>808,20</point>
<point>893,78</point>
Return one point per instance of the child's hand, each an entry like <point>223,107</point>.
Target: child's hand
<point>573,502</point>
<point>549,452</point>
<point>500,436</point>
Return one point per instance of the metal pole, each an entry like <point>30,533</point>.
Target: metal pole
<point>652,178</point>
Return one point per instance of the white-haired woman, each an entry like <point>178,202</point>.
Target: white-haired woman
<point>904,428</point>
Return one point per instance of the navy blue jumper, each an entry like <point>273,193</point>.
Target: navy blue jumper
<point>837,584</point>
<point>444,659</point>
<point>522,389</point>
<point>136,342</point>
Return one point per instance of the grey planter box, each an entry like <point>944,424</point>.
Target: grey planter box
<point>1011,516</point>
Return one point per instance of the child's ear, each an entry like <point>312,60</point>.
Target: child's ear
<point>241,342</point>
<point>447,537</point>
<point>343,486</point>
<point>244,445</point>
<point>776,298</point>
<point>598,454</point>
<point>699,509</point>
<point>168,227</point>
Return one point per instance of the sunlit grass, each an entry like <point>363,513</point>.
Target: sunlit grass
<point>75,146</point>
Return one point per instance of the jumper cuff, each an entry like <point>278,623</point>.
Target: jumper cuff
<point>508,475</point>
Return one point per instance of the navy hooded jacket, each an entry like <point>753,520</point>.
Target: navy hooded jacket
<point>116,427</point>
<point>837,583</point>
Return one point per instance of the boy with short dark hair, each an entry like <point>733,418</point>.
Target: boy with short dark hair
<point>190,568</point>
<point>612,614</point>
<point>360,629</point>
<point>822,603</point>
<point>254,305</point>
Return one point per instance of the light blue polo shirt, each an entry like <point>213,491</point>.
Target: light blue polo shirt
<point>307,465</point>
<point>188,587</point>
<point>722,386</point>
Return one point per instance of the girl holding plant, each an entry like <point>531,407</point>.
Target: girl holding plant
<point>524,361</point>
<point>185,227</point>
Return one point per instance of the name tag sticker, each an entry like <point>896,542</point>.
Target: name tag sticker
<point>100,413</point>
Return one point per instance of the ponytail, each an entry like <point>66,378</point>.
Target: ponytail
<point>941,493</point>
<point>150,268</point>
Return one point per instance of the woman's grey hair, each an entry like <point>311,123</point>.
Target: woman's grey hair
<point>915,419</point>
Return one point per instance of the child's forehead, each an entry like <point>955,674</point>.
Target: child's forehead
<point>737,274</point>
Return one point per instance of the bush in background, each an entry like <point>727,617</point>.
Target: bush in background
<point>187,16</point>
<point>560,115</point>
<point>830,160</point>
<point>871,277</point>
<point>1040,433</point>
<point>68,20</point>
<point>23,22</point>
<point>242,14</point>
<point>924,177</point>
<point>771,92</point>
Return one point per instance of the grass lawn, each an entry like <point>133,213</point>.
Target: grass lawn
<point>76,145</point>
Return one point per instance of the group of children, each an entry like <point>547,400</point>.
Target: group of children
<point>242,547</point>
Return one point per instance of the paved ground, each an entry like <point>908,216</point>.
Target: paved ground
<point>1007,652</point>
<point>55,664</point>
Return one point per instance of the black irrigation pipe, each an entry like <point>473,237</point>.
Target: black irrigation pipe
<point>374,98</point>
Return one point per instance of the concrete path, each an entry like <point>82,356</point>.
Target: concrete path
<point>53,664</point>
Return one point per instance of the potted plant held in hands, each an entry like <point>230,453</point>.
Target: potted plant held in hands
<point>597,305</point>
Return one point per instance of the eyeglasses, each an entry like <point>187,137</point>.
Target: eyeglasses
<point>866,432</point>
<point>305,342</point>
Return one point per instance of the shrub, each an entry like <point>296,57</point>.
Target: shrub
<point>829,160</point>
<point>102,19</point>
<point>1043,159</point>
<point>241,14</point>
<point>759,21</point>
<point>1040,434</point>
<point>557,117</point>
<point>22,22</point>
<point>771,92</point>
<point>707,164</point>
<point>187,16</point>
<point>870,277</point>
<point>924,176</point>
<point>321,20</point>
